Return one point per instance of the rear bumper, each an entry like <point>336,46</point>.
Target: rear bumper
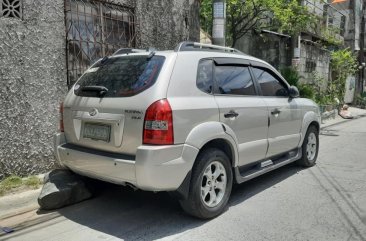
<point>154,168</point>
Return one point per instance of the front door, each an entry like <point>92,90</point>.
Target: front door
<point>284,114</point>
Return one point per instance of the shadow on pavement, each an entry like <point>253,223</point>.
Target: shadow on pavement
<point>133,215</point>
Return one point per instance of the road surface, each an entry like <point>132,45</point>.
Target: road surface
<point>325,202</point>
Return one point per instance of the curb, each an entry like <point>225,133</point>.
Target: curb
<point>28,219</point>
<point>19,203</point>
<point>342,121</point>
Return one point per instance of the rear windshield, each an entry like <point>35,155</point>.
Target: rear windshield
<point>120,77</point>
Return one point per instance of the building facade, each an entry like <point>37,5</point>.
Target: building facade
<point>46,45</point>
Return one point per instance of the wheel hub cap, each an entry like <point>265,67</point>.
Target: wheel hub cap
<point>213,185</point>
<point>311,147</point>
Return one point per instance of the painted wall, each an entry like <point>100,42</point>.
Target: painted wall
<point>32,76</point>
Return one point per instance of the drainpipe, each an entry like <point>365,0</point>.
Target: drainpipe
<point>361,57</point>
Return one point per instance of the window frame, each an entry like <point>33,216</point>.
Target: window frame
<point>273,73</point>
<point>232,62</point>
<point>213,76</point>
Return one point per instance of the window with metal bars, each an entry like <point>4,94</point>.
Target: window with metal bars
<point>11,8</point>
<point>95,29</point>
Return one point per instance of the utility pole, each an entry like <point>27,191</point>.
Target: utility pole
<point>361,56</point>
<point>219,19</point>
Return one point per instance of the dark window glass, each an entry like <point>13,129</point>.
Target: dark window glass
<point>204,76</point>
<point>234,80</point>
<point>270,85</point>
<point>122,76</point>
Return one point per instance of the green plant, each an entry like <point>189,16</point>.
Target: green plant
<point>331,36</point>
<point>10,183</point>
<point>244,16</point>
<point>291,75</point>
<point>306,91</point>
<point>361,100</point>
<point>343,64</point>
<point>14,182</point>
<point>322,94</point>
<point>33,182</point>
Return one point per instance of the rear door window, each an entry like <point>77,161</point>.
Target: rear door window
<point>122,76</point>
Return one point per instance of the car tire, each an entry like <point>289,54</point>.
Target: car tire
<point>210,185</point>
<point>310,148</point>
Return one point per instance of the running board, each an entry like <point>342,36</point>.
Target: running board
<point>266,166</point>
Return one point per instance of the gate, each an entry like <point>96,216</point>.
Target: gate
<point>95,29</point>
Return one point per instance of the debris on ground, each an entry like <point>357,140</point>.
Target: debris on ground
<point>62,188</point>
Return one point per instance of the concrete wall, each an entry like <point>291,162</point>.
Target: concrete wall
<point>321,58</point>
<point>33,82</point>
<point>163,24</point>
<point>33,72</point>
<point>272,48</point>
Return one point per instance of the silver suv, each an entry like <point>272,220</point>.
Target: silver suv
<point>192,121</point>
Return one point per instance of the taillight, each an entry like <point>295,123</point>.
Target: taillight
<point>158,124</point>
<point>61,127</point>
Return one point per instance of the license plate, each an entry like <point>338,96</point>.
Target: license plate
<point>97,132</point>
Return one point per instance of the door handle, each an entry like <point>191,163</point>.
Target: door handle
<point>276,111</point>
<point>231,114</point>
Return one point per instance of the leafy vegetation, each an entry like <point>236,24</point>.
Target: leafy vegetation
<point>343,63</point>
<point>244,16</point>
<point>14,182</point>
<point>293,78</point>
<point>361,100</point>
<point>291,75</point>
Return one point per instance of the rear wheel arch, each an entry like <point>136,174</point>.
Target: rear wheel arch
<point>222,145</point>
<point>207,188</point>
<point>219,143</point>
<point>214,134</point>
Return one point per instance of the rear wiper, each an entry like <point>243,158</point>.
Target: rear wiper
<point>151,54</point>
<point>101,90</point>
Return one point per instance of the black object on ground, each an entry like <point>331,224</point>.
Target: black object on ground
<point>6,229</point>
<point>62,188</point>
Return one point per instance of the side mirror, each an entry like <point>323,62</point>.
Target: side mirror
<point>293,92</point>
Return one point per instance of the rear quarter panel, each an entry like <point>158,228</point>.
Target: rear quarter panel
<point>191,107</point>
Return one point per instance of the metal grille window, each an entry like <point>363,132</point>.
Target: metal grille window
<point>95,29</point>
<point>11,8</point>
<point>310,66</point>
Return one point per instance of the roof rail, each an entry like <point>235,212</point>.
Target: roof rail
<point>194,46</point>
<point>131,51</point>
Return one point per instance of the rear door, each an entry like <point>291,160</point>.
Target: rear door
<point>105,109</point>
<point>284,112</point>
<point>241,108</point>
